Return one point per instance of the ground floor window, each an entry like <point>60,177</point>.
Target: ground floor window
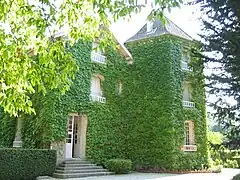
<point>190,144</point>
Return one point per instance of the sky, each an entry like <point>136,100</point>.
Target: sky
<point>186,17</point>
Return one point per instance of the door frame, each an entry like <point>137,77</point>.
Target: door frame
<point>83,121</point>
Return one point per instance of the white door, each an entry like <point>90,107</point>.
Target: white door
<point>76,137</point>
<point>69,139</point>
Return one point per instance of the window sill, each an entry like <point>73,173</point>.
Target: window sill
<point>189,148</point>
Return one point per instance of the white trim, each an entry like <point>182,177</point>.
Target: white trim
<point>96,57</point>
<point>189,148</point>
<point>188,104</point>
<point>97,98</point>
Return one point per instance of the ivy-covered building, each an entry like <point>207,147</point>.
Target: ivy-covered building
<point>144,102</point>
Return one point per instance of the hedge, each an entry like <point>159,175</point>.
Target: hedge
<point>119,166</point>
<point>26,164</point>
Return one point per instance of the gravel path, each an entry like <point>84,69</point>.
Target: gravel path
<point>226,174</point>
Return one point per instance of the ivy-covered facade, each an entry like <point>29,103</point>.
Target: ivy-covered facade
<point>147,106</point>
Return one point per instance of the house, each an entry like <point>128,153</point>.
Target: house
<point>143,101</point>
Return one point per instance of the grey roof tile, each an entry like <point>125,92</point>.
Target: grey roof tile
<point>159,29</point>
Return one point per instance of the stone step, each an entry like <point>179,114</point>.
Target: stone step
<point>79,175</point>
<point>76,162</point>
<point>69,171</point>
<point>80,168</point>
<point>76,165</point>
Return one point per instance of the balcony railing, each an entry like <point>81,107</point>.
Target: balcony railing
<point>185,66</point>
<point>189,148</point>
<point>97,98</point>
<point>95,57</point>
<point>188,104</point>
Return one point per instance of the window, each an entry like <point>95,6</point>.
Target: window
<point>187,92</point>
<point>119,88</point>
<point>96,86</point>
<point>189,137</point>
<point>96,49</point>
<point>149,26</point>
<point>189,133</point>
<point>185,57</point>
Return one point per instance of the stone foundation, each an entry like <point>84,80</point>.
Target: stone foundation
<point>60,148</point>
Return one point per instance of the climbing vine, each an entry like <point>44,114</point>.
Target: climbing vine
<point>144,122</point>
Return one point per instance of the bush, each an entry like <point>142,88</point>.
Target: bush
<point>231,164</point>
<point>26,164</point>
<point>216,169</point>
<point>119,166</point>
<point>236,177</point>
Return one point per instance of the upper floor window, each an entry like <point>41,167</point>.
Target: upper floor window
<point>96,48</point>
<point>185,61</point>
<point>97,54</point>
<point>96,91</point>
<point>119,88</point>
<point>185,57</point>
<point>187,91</point>
<point>96,86</point>
<point>187,96</point>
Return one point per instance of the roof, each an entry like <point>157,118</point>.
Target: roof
<point>122,49</point>
<point>159,29</point>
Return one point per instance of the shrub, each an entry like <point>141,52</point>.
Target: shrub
<point>119,166</point>
<point>236,177</point>
<point>216,169</point>
<point>231,164</point>
<point>237,159</point>
<point>26,164</point>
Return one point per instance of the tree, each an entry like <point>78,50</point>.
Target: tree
<point>33,58</point>
<point>221,34</point>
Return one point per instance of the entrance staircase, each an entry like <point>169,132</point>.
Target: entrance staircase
<point>77,168</point>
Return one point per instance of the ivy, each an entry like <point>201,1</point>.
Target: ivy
<point>144,123</point>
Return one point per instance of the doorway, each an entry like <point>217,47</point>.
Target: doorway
<point>76,136</point>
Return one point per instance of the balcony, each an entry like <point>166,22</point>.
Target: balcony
<point>185,66</point>
<point>96,98</point>
<point>189,148</point>
<point>188,104</point>
<point>96,57</point>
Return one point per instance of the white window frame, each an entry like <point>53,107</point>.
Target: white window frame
<point>97,95</point>
<point>119,88</point>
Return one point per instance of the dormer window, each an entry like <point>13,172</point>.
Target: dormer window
<point>149,26</point>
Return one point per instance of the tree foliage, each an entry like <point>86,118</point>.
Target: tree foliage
<point>221,34</point>
<point>33,58</point>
